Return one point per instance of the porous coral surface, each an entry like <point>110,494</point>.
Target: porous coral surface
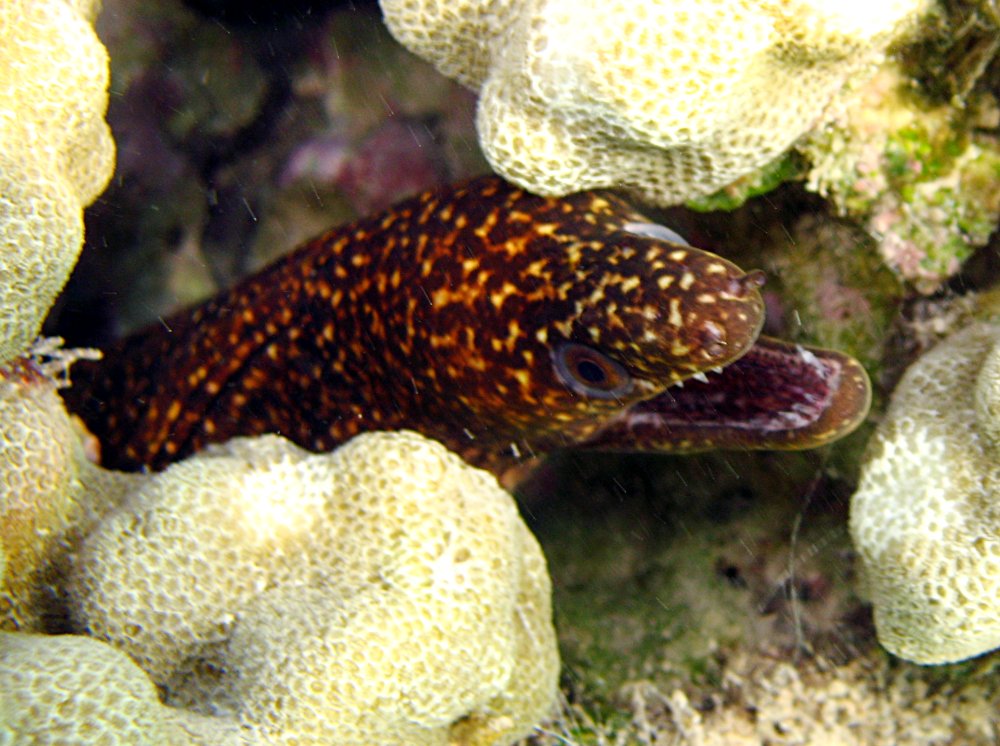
<point>672,100</point>
<point>924,519</point>
<point>51,494</point>
<point>74,690</point>
<point>384,593</point>
<point>165,575</point>
<point>56,154</point>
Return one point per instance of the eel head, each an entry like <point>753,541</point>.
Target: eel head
<point>623,337</point>
<point>605,316</point>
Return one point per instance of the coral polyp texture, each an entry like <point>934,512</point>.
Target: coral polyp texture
<point>51,495</point>
<point>69,689</point>
<point>925,518</point>
<point>56,154</point>
<point>672,99</point>
<point>384,593</point>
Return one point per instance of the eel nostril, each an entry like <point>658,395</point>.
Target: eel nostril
<point>713,340</point>
<point>751,281</point>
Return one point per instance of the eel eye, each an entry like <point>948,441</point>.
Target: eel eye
<point>590,372</point>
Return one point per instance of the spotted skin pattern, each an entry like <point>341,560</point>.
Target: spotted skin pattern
<point>459,313</point>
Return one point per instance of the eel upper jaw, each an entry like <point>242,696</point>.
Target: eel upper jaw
<point>778,396</point>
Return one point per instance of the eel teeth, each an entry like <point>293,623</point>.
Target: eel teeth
<point>700,377</point>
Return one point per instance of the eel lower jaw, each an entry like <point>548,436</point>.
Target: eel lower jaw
<point>778,396</point>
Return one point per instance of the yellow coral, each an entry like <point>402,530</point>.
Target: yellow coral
<point>163,577</point>
<point>384,593</point>
<point>50,494</point>
<point>925,518</point>
<point>75,690</point>
<point>672,99</point>
<point>56,153</point>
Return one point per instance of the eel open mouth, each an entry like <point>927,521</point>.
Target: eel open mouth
<point>777,396</point>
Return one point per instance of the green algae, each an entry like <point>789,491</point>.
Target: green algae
<point>691,579</point>
<point>655,578</point>
<point>911,156</point>
<point>921,176</point>
<point>788,167</point>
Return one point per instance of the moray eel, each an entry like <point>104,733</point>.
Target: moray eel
<point>503,324</point>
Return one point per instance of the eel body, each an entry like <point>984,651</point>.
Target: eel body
<point>503,324</point>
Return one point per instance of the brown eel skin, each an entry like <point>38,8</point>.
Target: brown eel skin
<point>503,324</point>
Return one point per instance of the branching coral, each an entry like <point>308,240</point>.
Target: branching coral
<point>384,593</point>
<point>56,154</point>
<point>924,519</point>
<point>670,99</point>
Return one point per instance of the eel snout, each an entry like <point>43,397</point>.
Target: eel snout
<point>671,311</point>
<point>743,288</point>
